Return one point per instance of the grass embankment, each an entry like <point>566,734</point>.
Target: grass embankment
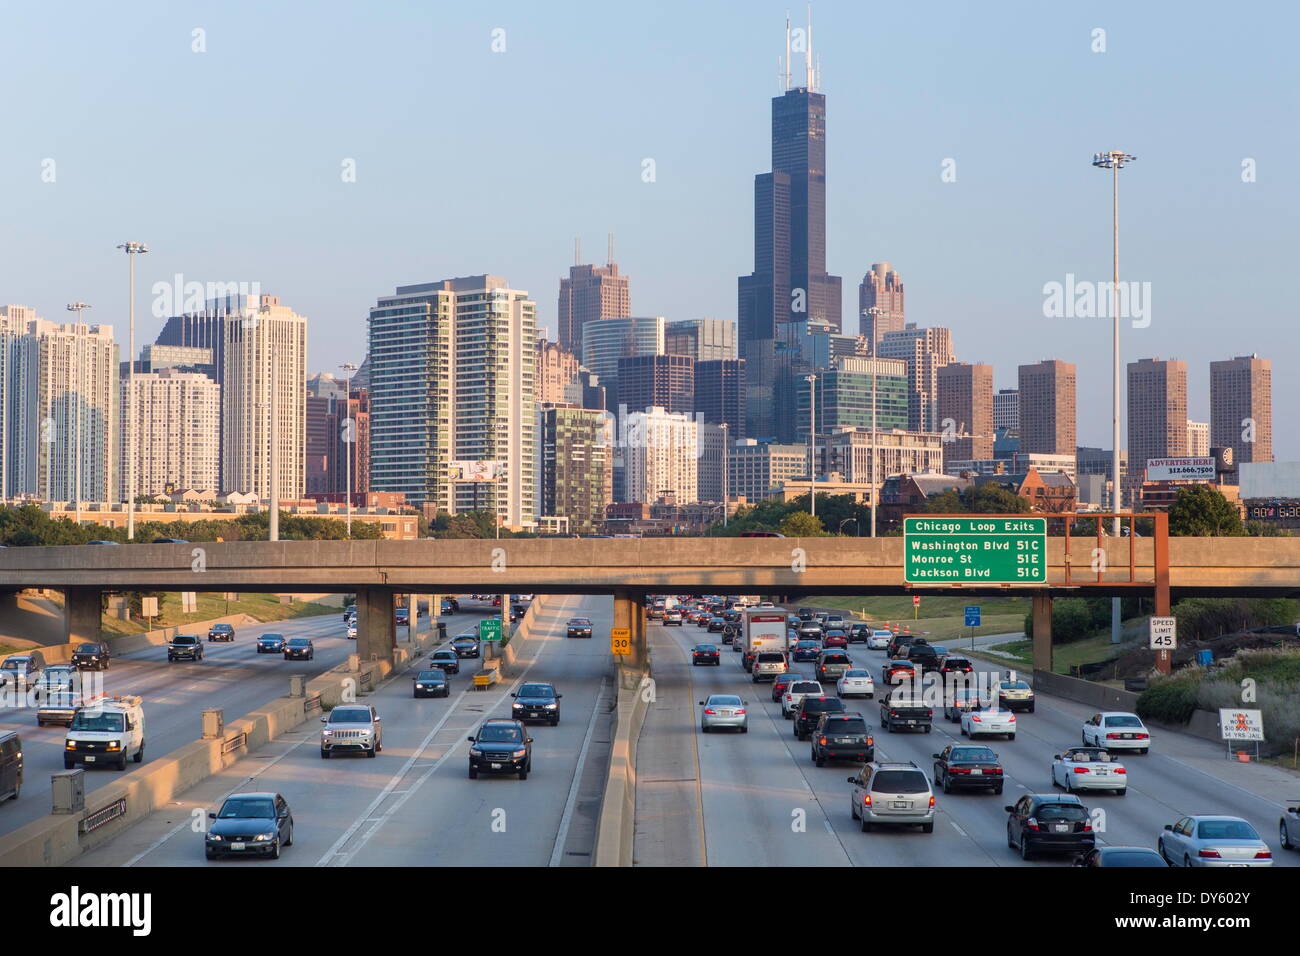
<point>1064,656</point>
<point>940,619</point>
<point>263,607</point>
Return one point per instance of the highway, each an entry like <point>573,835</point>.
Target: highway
<point>232,676</point>
<point>413,804</point>
<point>762,802</point>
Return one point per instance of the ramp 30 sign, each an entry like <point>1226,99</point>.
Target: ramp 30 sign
<point>975,550</point>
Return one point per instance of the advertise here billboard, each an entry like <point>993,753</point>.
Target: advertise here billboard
<point>1180,469</point>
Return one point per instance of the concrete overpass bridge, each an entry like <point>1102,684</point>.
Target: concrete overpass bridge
<point>629,569</point>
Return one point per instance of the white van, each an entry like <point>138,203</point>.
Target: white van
<point>106,731</point>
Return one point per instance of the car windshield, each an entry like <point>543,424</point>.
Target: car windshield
<point>845,725</point>
<point>579,622</point>
<point>900,781</point>
<point>349,715</point>
<point>724,700</point>
<point>101,722</point>
<point>185,639</point>
<point>272,637</point>
<point>299,642</point>
<point>706,648</point>
<point>1065,812</point>
<point>856,674</point>
<point>1089,756</point>
<point>1123,720</point>
<point>834,659</point>
<point>434,676</point>
<point>972,753</point>
<point>88,649</point>
<point>500,733</point>
<point>465,639</point>
<point>247,808</point>
<point>1014,685</point>
<point>537,690</point>
<point>1225,830</point>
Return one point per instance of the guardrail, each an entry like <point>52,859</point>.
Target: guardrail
<point>93,821</point>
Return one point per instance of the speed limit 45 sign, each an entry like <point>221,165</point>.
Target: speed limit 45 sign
<point>1164,634</point>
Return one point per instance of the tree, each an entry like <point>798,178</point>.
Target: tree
<point>800,524</point>
<point>989,498</point>
<point>1199,510</point>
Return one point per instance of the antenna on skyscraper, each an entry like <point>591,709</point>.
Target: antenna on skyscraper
<point>577,251</point>
<point>609,255</point>
<point>808,56</point>
<point>787,50</point>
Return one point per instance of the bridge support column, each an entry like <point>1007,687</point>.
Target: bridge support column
<point>629,612</point>
<point>82,614</point>
<point>1042,616</point>
<point>376,633</point>
<point>413,615</point>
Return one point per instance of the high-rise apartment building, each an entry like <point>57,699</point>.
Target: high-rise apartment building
<point>880,303</point>
<point>850,452</point>
<point>1047,408</point>
<point>660,457</point>
<point>1198,438</point>
<point>609,340</point>
<point>755,468</point>
<point>1157,416</point>
<point>1241,407</point>
<point>925,351</point>
<point>337,424</point>
<point>19,418</point>
<point>853,392</point>
<point>666,381</point>
<point>556,370</point>
<point>720,394</point>
<point>263,400</point>
<point>965,409</point>
<point>171,426</point>
<point>704,340</point>
<point>1006,410</point>
<point>575,465</point>
<point>589,294</point>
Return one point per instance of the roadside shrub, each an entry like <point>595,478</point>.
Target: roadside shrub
<point>1171,699</point>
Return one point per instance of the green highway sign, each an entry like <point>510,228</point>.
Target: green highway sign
<point>980,549</point>
<point>489,629</point>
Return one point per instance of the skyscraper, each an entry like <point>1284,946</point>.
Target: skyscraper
<point>1047,408</point>
<point>1241,407</point>
<point>720,395</point>
<point>556,369</point>
<point>328,409</point>
<point>589,294</point>
<point>1157,416</point>
<point>966,400</point>
<point>19,421</point>
<point>575,466</point>
<point>1006,410</point>
<point>666,381</point>
<point>880,303</point>
<point>789,285</point>
<point>177,421</point>
<point>1198,438</point>
<point>702,339</point>
<point>845,396</point>
<point>660,457</point>
<point>612,339</point>
<point>925,351</point>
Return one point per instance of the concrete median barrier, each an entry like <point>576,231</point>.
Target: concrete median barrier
<point>617,826</point>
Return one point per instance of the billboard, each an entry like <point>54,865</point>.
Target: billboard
<point>1181,469</point>
<point>475,470</point>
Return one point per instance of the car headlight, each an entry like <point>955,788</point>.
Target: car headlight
<point>69,745</point>
<point>519,753</point>
<point>114,745</point>
<point>552,706</point>
<point>263,837</point>
<point>327,732</point>
<point>214,837</point>
<point>419,687</point>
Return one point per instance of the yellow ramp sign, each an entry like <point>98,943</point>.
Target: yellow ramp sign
<point>620,640</point>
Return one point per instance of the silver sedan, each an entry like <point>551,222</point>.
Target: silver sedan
<point>1213,841</point>
<point>724,710</point>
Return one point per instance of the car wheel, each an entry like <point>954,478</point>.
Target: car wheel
<point>138,756</point>
<point>853,809</point>
<point>1187,861</point>
<point>819,761</point>
<point>1143,750</point>
<point>288,839</point>
<point>1120,791</point>
<point>947,785</point>
<point>744,728</point>
<point>866,824</point>
<point>275,849</point>
<point>1025,852</point>
<point>68,764</point>
<point>927,728</point>
<point>927,827</point>
<point>704,728</point>
<point>1284,836</point>
<point>324,754</point>
<point>1031,708</point>
<point>997,788</point>
<point>555,722</point>
<point>963,732</point>
<point>1011,736</point>
<point>209,853</point>
<point>523,774</point>
<point>39,722</point>
<point>1084,737</point>
<point>121,762</point>
<point>1067,786</point>
<point>473,772</point>
<point>1011,843</point>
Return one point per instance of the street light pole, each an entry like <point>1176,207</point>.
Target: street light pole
<point>812,444</point>
<point>726,463</point>
<point>274,529</point>
<point>1114,160</point>
<point>77,450</point>
<point>349,438</point>
<point>875,490</point>
<point>132,249</point>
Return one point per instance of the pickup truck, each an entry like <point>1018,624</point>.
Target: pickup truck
<point>905,710</point>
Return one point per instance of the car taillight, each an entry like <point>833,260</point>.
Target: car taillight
<point>959,769</point>
<point>1264,855</point>
<point>866,799</point>
<point>1209,854</point>
<point>1112,736</point>
<point>821,740</point>
<point>1012,720</point>
<point>1031,823</point>
<point>996,770</point>
<point>1080,769</point>
<point>871,742</point>
<point>1141,736</point>
<point>932,802</point>
<point>1120,770</point>
<point>741,711</point>
<point>1087,828</point>
<point>709,710</point>
<point>975,718</point>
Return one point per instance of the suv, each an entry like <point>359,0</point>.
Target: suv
<point>859,632</point>
<point>924,656</point>
<point>22,670</point>
<point>221,632</point>
<point>892,793</point>
<point>673,616</point>
<point>810,710</point>
<point>795,691</point>
<point>1048,822</point>
<point>900,641</point>
<point>501,746</point>
<point>767,664</point>
<point>11,765</point>
<point>842,736</point>
<point>352,727</point>
<point>91,657</point>
<point>536,701</point>
<point>831,665</point>
<point>185,647</point>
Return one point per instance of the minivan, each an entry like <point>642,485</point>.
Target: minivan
<point>11,765</point>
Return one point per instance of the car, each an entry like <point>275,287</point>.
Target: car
<point>92,656</point>
<point>352,728</point>
<point>893,793</point>
<point>11,765</point>
<point>807,614</point>
<point>835,637</point>
<point>879,640</point>
<point>22,670</point>
<point>500,746</point>
<point>896,672</point>
<point>430,682</point>
<point>185,647</point>
<point>401,615</point>
<point>1047,823</point>
<point>964,767</point>
<point>988,722</point>
<point>249,823</point>
<point>806,650</point>
<point>706,654</point>
<point>809,711</point>
<point>768,664</point>
<point>725,711</point>
<point>1211,840</point>
<point>466,645</point>
<point>58,695</point>
<point>270,644</point>
<point>673,616</point>
<point>905,709</point>
<point>897,643</point>
<point>842,736</point>
<point>798,688</point>
<point>170,541</point>
<point>856,682</point>
<point>446,659</point>
<point>960,700</point>
<point>349,612</point>
<point>859,632</point>
<point>702,618</point>
<point>299,649</point>
<point>1288,826</point>
<point>925,657</point>
<point>578,627</point>
<point>716,624</point>
<point>1131,856</point>
<point>1116,730</point>
<point>449,605</point>
<point>536,701</point>
<point>352,632</point>
<point>1015,695</point>
<point>729,634</point>
<point>831,664</point>
<point>106,734</point>
<point>1089,768</point>
<point>809,631</point>
<point>952,664</point>
<point>221,632</point>
<point>655,612</point>
<point>101,541</point>
<point>781,683</point>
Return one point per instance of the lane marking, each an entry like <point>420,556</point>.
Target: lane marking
<point>562,835</point>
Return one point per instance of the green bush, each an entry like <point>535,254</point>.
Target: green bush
<point>1172,699</point>
<point>1202,619</point>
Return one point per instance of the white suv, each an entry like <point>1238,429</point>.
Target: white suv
<point>892,793</point>
<point>796,692</point>
<point>355,727</point>
<point>768,664</point>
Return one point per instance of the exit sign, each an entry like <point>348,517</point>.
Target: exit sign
<point>988,549</point>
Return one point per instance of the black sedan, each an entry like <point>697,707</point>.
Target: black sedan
<point>431,683</point>
<point>578,627</point>
<point>270,644</point>
<point>536,701</point>
<point>256,824</point>
<point>706,654</point>
<point>299,649</point>
<point>500,746</point>
<point>962,767</point>
<point>716,624</point>
<point>446,659</point>
<point>465,646</point>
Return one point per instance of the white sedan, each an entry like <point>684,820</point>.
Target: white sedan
<point>856,683</point>
<point>1116,730</point>
<point>980,723</point>
<point>879,640</point>
<point>352,632</point>
<point>1089,768</point>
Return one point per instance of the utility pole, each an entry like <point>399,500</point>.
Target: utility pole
<point>812,444</point>
<point>349,435</point>
<point>132,249</point>
<point>726,462</point>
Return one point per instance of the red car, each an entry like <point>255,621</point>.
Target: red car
<point>835,637</point>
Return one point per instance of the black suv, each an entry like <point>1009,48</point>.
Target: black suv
<point>842,736</point>
<point>898,642</point>
<point>91,657</point>
<point>221,632</point>
<point>536,701</point>
<point>1049,823</point>
<point>924,656</point>
<point>963,767</point>
<point>501,746</point>
<point>185,647</point>
<point>859,631</point>
<point>810,710</point>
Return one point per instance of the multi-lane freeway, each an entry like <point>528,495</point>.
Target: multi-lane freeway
<point>414,804</point>
<point>757,799</point>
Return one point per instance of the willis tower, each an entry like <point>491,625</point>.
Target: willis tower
<point>789,291</point>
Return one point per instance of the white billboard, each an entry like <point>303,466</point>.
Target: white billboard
<point>474,470</point>
<point>1237,724</point>
<point>1180,469</point>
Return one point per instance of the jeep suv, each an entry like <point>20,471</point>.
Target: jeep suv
<point>810,710</point>
<point>892,793</point>
<point>351,727</point>
<point>842,736</point>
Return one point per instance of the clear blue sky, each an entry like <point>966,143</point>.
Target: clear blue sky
<point>228,162</point>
